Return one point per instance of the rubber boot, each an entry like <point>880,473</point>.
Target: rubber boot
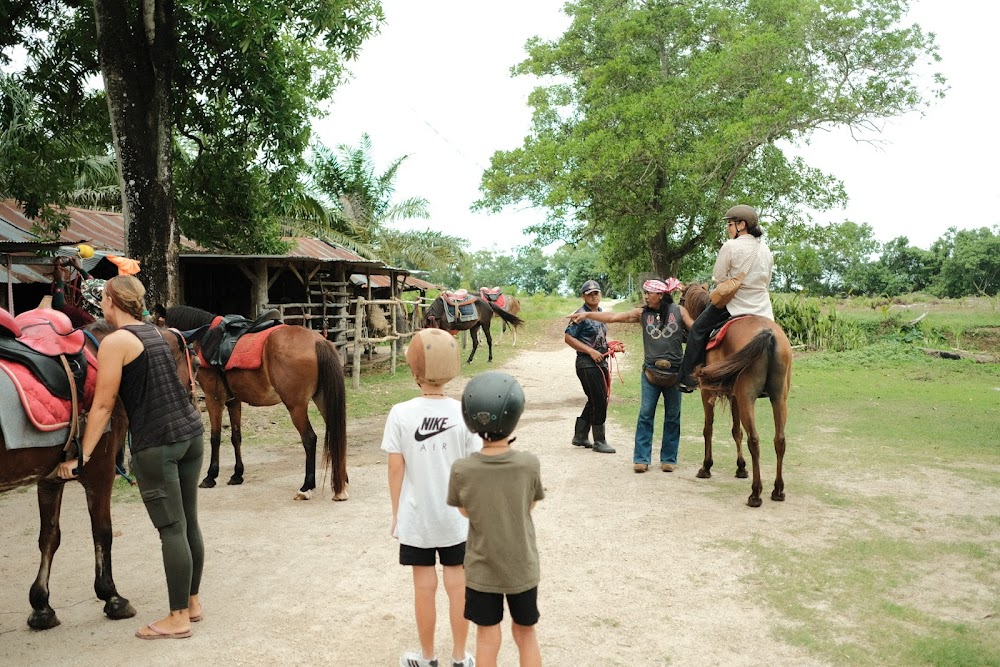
<point>600,444</point>
<point>582,430</point>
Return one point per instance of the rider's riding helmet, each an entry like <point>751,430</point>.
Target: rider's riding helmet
<point>744,213</point>
<point>433,357</point>
<point>492,404</point>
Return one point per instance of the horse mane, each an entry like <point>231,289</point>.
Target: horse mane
<point>100,327</point>
<point>696,299</point>
<point>186,318</point>
<point>436,309</point>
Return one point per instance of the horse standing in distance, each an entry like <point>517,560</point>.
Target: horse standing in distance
<point>436,317</point>
<point>511,304</point>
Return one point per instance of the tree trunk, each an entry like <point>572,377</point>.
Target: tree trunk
<point>137,55</point>
<point>664,260</point>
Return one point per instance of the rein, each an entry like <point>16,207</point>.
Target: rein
<point>182,341</point>
<point>614,347</point>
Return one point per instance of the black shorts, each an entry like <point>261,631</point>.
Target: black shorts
<point>487,608</point>
<point>450,556</point>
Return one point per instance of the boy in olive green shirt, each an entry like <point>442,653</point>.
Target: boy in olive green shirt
<point>496,489</point>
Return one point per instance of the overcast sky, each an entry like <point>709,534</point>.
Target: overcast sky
<point>436,85</point>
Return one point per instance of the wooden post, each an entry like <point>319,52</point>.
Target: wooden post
<point>392,343</point>
<point>359,314</point>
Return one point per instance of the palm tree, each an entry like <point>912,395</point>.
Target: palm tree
<point>45,170</point>
<point>348,202</point>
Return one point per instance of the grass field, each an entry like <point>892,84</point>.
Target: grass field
<point>907,448</point>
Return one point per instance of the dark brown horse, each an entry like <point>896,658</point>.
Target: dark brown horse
<point>755,357</point>
<point>434,317</point>
<point>21,467</point>
<point>298,365</point>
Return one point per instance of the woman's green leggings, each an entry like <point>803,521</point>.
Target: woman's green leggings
<point>168,480</point>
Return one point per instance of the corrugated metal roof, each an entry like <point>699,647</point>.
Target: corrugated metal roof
<point>383,282</point>
<point>104,230</point>
<point>302,248</point>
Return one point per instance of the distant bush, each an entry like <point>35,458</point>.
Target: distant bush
<point>805,324</point>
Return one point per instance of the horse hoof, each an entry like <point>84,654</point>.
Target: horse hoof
<point>118,608</point>
<point>778,495</point>
<point>703,474</point>
<point>235,481</point>
<point>304,495</point>
<point>753,501</point>
<point>207,483</point>
<point>340,496</point>
<point>43,619</point>
<point>741,473</point>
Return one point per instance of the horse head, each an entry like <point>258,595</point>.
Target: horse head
<point>695,299</point>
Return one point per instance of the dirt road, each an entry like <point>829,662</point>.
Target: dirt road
<point>634,570</point>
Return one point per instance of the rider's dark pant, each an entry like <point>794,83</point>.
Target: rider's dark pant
<point>594,384</point>
<point>694,353</point>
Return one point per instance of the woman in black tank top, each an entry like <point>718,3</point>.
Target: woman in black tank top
<point>166,431</point>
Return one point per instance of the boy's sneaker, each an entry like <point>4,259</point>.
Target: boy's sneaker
<point>416,659</point>
<point>468,662</point>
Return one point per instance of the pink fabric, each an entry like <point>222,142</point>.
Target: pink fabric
<point>45,411</point>
<point>660,287</point>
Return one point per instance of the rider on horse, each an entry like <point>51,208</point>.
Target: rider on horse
<point>745,252</point>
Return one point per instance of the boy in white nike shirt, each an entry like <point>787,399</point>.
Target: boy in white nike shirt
<point>423,437</point>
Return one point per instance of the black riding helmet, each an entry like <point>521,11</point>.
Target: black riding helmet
<point>492,404</point>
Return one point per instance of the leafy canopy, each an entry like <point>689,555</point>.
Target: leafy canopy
<point>247,78</point>
<point>657,114</point>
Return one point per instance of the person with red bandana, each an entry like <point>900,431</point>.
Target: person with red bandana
<point>664,331</point>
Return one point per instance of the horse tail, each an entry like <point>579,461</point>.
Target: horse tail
<point>331,384</point>
<point>721,377</point>
<point>512,320</point>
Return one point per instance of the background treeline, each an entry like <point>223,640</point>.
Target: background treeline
<point>838,259</point>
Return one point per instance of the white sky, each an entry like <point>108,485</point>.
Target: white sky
<point>436,85</point>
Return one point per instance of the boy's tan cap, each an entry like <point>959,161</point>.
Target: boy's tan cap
<point>433,356</point>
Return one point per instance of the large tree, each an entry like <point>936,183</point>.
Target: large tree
<point>661,113</point>
<point>229,84</point>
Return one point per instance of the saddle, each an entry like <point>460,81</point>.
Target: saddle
<point>39,339</point>
<point>459,297</point>
<point>220,340</point>
<point>493,295</point>
<point>715,338</point>
<point>459,305</point>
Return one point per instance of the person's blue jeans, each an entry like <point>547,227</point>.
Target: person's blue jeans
<point>671,439</point>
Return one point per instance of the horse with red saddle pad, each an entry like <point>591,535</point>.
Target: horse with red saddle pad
<point>286,364</point>
<point>34,420</point>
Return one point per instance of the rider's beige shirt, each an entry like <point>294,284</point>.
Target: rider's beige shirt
<point>753,297</point>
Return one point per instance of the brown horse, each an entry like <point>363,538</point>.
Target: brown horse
<point>512,305</point>
<point>21,467</point>
<point>434,317</point>
<point>297,365</point>
<point>755,357</point>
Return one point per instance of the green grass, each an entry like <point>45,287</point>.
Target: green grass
<point>897,444</point>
